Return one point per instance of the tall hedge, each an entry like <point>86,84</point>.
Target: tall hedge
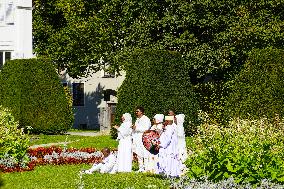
<point>32,90</point>
<point>157,80</point>
<point>258,90</point>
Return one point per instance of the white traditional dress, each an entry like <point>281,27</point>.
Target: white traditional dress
<point>108,165</point>
<point>181,138</point>
<point>152,164</point>
<point>169,162</point>
<point>124,154</point>
<point>142,124</point>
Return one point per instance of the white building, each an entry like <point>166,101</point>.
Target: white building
<point>15,30</point>
<point>94,98</point>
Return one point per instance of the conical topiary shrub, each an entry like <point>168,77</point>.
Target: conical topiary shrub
<point>32,90</point>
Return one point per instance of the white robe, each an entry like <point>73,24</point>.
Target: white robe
<point>152,164</point>
<point>181,138</point>
<point>124,154</point>
<point>169,163</point>
<point>142,124</point>
<point>108,165</point>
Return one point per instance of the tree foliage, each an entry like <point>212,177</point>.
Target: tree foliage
<point>158,81</point>
<point>258,90</point>
<point>33,91</point>
<point>214,36</point>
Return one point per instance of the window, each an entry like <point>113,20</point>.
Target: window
<point>78,94</point>
<point>7,13</point>
<point>4,56</point>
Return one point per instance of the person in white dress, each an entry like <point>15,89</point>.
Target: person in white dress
<point>142,124</point>
<point>124,154</point>
<point>181,137</point>
<point>152,164</point>
<point>169,162</point>
<point>108,164</point>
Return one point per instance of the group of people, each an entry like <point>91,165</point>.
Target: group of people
<point>172,146</point>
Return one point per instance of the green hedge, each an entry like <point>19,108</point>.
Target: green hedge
<point>158,81</point>
<point>258,89</point>
<point>32,90</point>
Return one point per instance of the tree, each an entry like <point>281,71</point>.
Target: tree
<point>157,80</point>
<point>214,36</point>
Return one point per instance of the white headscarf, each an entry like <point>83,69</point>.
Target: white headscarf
<point>127,117</point>
<point>180,119</point>
<point>159,118</point>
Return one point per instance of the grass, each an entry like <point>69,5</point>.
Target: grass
<point>98,142</point>
<point>67,177</point>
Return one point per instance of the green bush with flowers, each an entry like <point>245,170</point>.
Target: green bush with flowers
<point>247,150</point>
<point>13,141</point>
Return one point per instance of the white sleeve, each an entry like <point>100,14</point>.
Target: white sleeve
<point>125,130</point>
<point>166,138</point>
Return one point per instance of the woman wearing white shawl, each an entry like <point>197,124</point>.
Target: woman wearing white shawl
<point>181,137</point>
<point>124,154</point>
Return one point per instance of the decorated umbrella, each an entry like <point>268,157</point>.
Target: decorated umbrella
<point>150,139</point>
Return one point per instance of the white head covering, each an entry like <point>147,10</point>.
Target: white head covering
<point>127,117</point>
<point>169,118</point>
<point>180,119</point>
<point>159,118</point>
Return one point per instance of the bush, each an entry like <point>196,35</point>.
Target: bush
<point>32,90</point>
<point>13,142</point>
<point>258,89</point>
<point>248,151</point>
<point>157,80</point>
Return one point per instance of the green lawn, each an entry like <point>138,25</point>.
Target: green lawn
<point>67,176</point>
<point>98,142</point>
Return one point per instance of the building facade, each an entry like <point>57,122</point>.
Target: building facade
<point>15,30</point>
<point>94,96</point>
<point>94,99</point>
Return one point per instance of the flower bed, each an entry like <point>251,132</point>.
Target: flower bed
<point>51,155</point>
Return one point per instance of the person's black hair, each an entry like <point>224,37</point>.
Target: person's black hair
<point>140,108</point>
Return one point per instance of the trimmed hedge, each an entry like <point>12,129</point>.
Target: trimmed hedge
<point>32,90</point>
<point>158,81</point>
<point>259,88</point>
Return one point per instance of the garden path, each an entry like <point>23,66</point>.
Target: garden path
<point>78,133</point>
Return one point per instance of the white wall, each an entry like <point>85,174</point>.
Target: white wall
<point>94,85</point>
<point>16,28</point>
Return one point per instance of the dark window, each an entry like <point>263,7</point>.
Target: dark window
<point>7,56</point>
<point>78,94</point>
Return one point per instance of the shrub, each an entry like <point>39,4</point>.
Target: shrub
<point>157,80</point>
<point>248,151</point>
<point>13,142</point>
<point>258,90</point>
<point>32,90</point>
